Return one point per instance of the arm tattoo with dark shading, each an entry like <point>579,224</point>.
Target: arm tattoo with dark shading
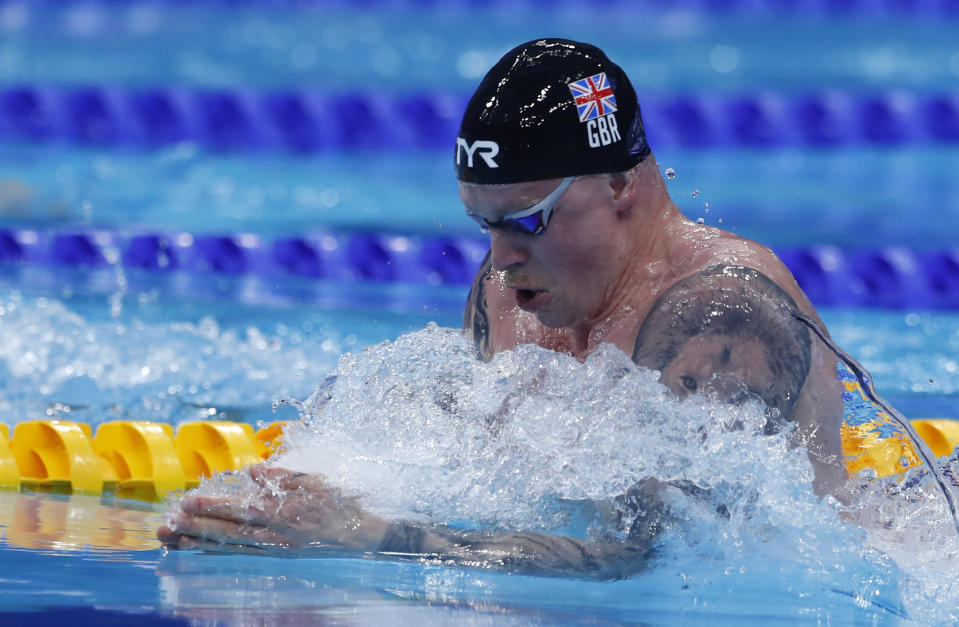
<point>527,552</point>
<point>403,538</point>
<point>740,303</point>
<point>641,512</point>
<point>475,316</point>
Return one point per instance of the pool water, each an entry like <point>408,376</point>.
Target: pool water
<point>145,587</point>
<point>845,197</point>
<point>174,361</point>
<point>106,343</point>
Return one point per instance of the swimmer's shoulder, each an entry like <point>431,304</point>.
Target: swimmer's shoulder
<point>710,246</point>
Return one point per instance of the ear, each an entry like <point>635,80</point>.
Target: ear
<point>623,187</point>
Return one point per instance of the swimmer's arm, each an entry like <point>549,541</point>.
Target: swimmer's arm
<point>219,525</point>
<point>540,553</point>
<point>293,512</point>
<point>476,316</point>
<point>526,552</point>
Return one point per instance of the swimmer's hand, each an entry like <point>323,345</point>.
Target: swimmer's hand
<point>294,512</point>
<point>289,511</point>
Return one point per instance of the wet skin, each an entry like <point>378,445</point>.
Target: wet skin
<point>614,244</point>
<point>638,245</point>
<point>293,513</point>
<point>288,510</point>
<point>718,366</point>
<point>563,275</point>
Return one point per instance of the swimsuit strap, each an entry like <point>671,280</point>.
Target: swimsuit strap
<point>870,437</point>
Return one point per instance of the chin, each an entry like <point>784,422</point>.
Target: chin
<point>554,319</point>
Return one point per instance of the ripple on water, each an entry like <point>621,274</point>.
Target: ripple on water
<point>424,431</point>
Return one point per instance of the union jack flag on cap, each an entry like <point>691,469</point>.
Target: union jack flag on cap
<point>593,96</point>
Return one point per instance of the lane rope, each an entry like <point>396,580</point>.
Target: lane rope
<point>146,460</point>
<point>308,121</point>
<point>813,8</point>
<point>888,277</point>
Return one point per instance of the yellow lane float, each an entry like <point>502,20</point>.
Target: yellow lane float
<point>9,471</point>
<point>142,458</point>
<point>130,458</point>
<point>57,455</point>
<point>145,460</point>
<point>209,447</point>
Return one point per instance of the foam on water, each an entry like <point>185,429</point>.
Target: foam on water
<point>421,430</point>
<point>533,439</point>
<point>424,429</point>
<point>907,519</point>
<point>55,362</point>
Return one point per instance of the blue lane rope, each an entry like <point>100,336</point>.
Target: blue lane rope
<point>892,277</point>
<point>825,8</point>
<point>302,120</point>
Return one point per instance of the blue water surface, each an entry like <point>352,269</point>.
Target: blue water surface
<point>97,344</point>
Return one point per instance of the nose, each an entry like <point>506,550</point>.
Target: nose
<point>505,250</point>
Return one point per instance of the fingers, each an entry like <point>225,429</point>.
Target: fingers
<point>213,531</point>
<point>182,542</point>
<point>186,543</point>
<point>232,510</point>
<point>268,518</point>
<point>284,479</point>
<point>166,535</point>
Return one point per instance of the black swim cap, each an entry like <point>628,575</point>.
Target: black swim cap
<point>550,108</point>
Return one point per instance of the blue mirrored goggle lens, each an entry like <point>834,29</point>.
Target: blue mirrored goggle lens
<point>530,225</point>
<point>531,221</point>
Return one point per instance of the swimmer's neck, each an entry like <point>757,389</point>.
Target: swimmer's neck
<point>648,268</point>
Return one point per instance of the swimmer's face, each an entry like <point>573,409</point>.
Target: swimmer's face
<point>562,275</point>
<point>724,367</point>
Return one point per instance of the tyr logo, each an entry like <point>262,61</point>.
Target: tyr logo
<point>487,150</point>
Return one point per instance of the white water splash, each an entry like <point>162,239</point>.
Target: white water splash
<point>422,430</point>
<point>53,359</point>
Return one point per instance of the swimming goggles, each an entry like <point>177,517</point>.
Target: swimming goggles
<point>532,220</point>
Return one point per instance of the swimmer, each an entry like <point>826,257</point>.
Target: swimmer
<point>586,248</point>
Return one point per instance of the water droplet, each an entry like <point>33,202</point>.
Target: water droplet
<point>700,221</point>
<point>695,193</point>
<point>670,173</point>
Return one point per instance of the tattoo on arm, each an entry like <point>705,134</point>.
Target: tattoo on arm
<point>475,317</point>
<point>527,552</point>
<point>641,513</point>
<point>742,305</point>
<point>403,538</point>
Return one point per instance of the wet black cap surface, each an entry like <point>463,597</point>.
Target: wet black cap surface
<point>550,108</point>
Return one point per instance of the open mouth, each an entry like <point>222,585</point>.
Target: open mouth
<point>525,297</point>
